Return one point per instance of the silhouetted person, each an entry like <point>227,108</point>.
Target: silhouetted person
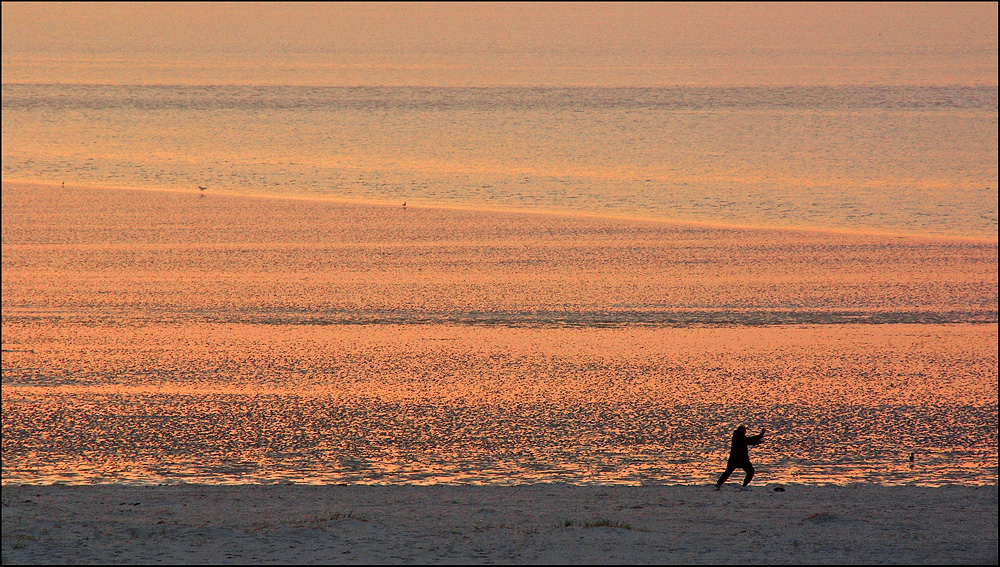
<point>739,457</point>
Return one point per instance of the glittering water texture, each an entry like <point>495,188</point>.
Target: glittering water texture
<point>154,336</point>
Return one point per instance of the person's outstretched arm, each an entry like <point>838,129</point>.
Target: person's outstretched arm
<point>756,439</point>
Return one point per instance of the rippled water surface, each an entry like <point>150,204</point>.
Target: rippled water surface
<point>153,336</point>
<point>494,244</point>
<point>912,159</point>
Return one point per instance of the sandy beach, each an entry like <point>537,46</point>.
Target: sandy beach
<point>498,524</point>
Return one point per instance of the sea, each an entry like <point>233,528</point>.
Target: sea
<point>901,159</point>
<point>515,284</point>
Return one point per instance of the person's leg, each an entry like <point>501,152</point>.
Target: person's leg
<point>722,479</point>
<point>749,468</point>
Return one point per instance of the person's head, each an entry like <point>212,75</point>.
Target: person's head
<point>742,429</point>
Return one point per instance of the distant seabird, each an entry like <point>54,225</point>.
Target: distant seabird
<point>202,188</point>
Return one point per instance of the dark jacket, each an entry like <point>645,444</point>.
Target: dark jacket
<point>738,454</point>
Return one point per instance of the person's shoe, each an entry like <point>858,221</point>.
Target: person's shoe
<point>746,489</point>
<point>718,487</point>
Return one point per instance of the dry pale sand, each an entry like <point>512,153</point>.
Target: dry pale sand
<point>546,523</point>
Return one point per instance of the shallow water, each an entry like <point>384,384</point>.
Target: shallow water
<point>320,332</point>
<point>156,336</point>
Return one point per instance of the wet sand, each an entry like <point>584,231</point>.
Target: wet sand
<point>158,336</point>
<point>89,255</point>
<point>513,524</point>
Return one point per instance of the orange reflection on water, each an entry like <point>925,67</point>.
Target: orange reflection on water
<point>154,336</point>
<point>865,365</point>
